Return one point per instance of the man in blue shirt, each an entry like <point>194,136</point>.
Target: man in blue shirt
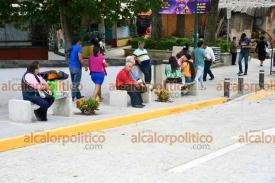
<point>200,56</point>
<point>75,65</point>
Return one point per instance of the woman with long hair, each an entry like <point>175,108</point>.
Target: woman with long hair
<point>173,71</point>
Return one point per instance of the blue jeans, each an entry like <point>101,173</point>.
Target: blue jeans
<point>199,76</point>
<point>243,55</point>
<point>43,103</point>
<point>76,74</point>
<point>146,68</point>
<point>136,98</point>
<point>188,80</point>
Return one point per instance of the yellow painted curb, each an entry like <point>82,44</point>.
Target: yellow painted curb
<point>20,141</point>
<point>260,95</point>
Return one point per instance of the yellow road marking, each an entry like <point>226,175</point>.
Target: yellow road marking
<point>92,126</point>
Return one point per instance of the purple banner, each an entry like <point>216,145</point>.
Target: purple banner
<point>185,7</point>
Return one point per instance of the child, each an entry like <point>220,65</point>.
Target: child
<point>188,70</point>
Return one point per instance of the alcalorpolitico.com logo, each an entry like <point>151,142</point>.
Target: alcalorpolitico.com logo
<point>150,137</point>
<point>80,138</point>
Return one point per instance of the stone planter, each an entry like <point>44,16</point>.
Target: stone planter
<point>226,59</point>
<point>154,54</point>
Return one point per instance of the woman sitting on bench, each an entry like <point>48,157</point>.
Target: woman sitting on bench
<point>173,71</point>
<point>36,90</point>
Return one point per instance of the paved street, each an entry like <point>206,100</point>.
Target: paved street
<point>220,132</point>
<point>120,160</point>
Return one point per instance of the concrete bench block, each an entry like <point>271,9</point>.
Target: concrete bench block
<point>62,107</point>
<point>119,98</point>
<point>20,111</point>
<point>192,87</point>
<point>174,89</point>
<point>148,95</point>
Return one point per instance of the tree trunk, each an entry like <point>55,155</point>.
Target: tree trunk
<point>156,26</point>
<point>66,28</point>
<point>102,29</point>
<point>67,32</point>
<point>180,25</point>
<point>212,22</point>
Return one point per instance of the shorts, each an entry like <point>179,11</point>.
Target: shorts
<point>97,77</point>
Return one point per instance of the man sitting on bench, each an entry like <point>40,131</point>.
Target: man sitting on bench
<point>133,88</point>
<point>36,90</point>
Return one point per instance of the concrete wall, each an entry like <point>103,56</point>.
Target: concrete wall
<point>241,23</point>
<point>270,22</point>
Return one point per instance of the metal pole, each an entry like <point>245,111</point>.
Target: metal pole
<point>228,30</point>
<point>227,87</point>
<point>196,25</point>
<point>261,79</point>
<point>240,85</point>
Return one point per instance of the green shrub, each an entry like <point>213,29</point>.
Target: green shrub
<point>87,107</point>
<point>163,44</point>
<point>223,45</point>
<point>168,43</point>
<point>134,41</point>
<point>183,41</point>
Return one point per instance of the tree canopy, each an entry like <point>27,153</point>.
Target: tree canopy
<point>47,12</point>
<point>71,14</point>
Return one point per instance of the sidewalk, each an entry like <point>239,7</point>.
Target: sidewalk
<point>119,159</point>
<point>214,90</point>
<point>112,53</point>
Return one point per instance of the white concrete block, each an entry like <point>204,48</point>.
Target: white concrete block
<point>193,89</point>
<point>20,111</point>
<point>62,107</point>
<point>148,95</point>
<point>174,89</point>
<point>119,98</point>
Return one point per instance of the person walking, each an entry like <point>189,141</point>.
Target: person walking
<point>36,90</point>
<point>76,62</point>
<point>245,45</point>
<point>210,58</point>
<point>261,50</point>
<point>200,55</point>
<point>144,61</point>
<point>97,67</point>
<point>233,50</point>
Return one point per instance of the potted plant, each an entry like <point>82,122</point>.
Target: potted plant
<point>163,95</point>
<point>87,107</point>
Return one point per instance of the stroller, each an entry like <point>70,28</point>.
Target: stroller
<point>52,77</point>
